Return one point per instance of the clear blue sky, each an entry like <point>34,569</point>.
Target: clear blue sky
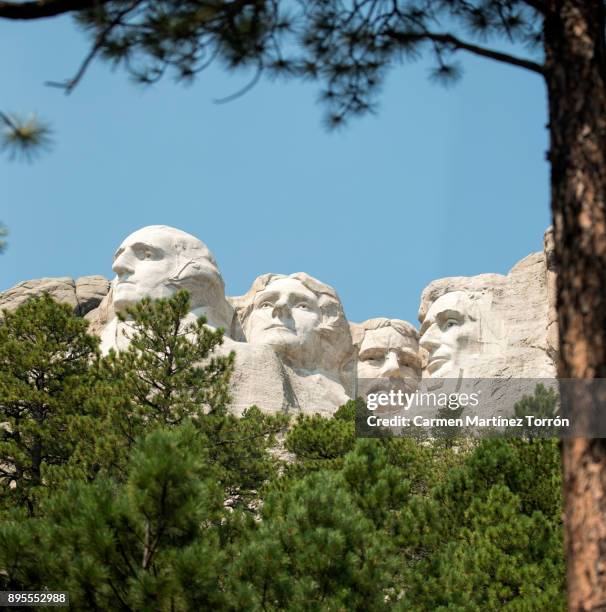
<point>441,182</point>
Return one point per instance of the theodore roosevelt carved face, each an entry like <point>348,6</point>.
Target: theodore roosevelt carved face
<point>450,334</point>
<point>388,348</point>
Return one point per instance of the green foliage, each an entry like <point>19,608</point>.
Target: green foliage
<point>499,559</point>
<point>463,524</point>
<point>183,36</point>
<point>170,374</point>
<point>321,443</point>
<point>167,372</point>
<point>238,450</point>
<point>347,46</point>
<point>380,489</point>
<point>139,544</point>
<point>127,482</point>
<point>543,404</point>
<point>20,552</point>
<point>23,138</point>
<point>314,549</point>
<point>164,377</point>
<point>492,533</point>
<point>45,357</point>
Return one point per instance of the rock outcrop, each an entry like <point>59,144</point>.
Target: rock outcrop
<point>295,350</point>
<point>83,295</point>
<point>490,325</point>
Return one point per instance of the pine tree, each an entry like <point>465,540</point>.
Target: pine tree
<point>319,442</point>
<point>323,443</point>
<point>490,536</point>
<point>314,549</point>
<point>155,479</point>
<point>151,542</point>
<point>543,404</point>
<point>45,377</point>
<point>385,524</point>
<point>171,373</point>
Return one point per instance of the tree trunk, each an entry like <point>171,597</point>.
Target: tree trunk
<point>575,71</point>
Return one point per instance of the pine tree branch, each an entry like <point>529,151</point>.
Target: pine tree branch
<point>457,44</point>
<point>42,9</point>
<point>70,84</point>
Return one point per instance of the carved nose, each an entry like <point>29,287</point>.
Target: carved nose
<point>428,340</point>
<point>121,266</point>
<point>391,367</point>
<point>280,309</point>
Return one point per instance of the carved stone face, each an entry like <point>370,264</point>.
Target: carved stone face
<point>156,262</point>
<point>450,334</point>
<point>285,315</point>
<point>385,353</point>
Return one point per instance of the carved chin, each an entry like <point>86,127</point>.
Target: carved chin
<point>440,368</point>
<point>128,294</point>
<point>278,338</point>
<point>125,295</point>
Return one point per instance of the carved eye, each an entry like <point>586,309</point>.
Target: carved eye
<point>266,305</point>
<point>142,253</point>
<point>374,356</point>
<point>451,323</point>
<point>303,306</point>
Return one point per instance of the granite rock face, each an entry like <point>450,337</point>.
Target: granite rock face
<point>290,336</point>
<point>387,355</point>
<point>83,295</point>
<point>295,350</point>
<point>157,261</point>
<point>90,291</point>
<point>303,322</point>
<point>490,325</point>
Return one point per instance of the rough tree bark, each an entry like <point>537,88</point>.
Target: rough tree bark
<point>575,72</point>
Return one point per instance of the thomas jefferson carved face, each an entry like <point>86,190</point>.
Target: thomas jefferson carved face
<point>157,261</point>
<point>450,334</point>
<point>285,315</point>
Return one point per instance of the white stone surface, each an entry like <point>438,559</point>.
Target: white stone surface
<point>295,350</point>
<point>488,325</point>
<point>156,262</point>
<point>302,320</point>
<point>388,350</point>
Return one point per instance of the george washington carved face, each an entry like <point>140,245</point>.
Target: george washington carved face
<point>157,261</point>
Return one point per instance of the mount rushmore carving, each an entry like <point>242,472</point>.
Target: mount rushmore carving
<point>296,351</point>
